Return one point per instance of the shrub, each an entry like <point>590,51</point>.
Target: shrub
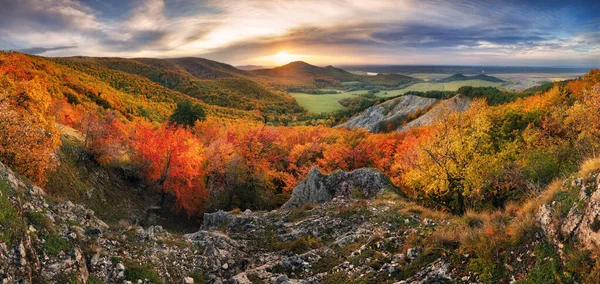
<point>55,244</point>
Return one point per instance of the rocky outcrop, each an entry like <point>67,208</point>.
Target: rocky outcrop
<point>458,103</point>
<point>581,223</point>
<point>394,111</point>
<point>318,188</point>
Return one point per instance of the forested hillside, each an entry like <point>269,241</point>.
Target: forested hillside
<point>211,82</point>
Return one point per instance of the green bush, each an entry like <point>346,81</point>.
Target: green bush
<point>55,244</point>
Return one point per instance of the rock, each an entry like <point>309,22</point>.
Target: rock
<point>572,222</point>
<point>436,272</point>
<point>282,279</point>
<point>458,103</point>
<point>589,229</point>
<point>413,253</point>
<point>216,219</point>
<point>120,267</point>
<point>319,188</point>
<point>376,118</point>
<point>241,278</point>
<point>188,280</point>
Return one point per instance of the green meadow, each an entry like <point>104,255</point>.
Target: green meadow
<point>329,102</point>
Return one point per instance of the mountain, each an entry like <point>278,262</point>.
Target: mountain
<point>300,74</point>
<point>212,82</point>
<point>461,77</point>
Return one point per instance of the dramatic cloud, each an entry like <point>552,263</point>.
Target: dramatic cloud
<point>38,50</point>
<point>321,32</point>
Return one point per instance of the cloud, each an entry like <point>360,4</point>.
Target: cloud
<point>40,50</point>
<point>339,31</point>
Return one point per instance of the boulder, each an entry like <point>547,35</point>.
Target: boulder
<point>319,188</point>
<point>215,219</point>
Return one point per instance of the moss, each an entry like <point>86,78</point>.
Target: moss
<point>115,259</point>
<point>55,244</point>
<point>200,277</point>
<point>134,272</point>
<point>11,224</point>
<point>40,221</point>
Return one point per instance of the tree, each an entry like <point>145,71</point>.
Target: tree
<point>172,161</point>
<point>458,165</point>
<point>186,114</point>
<point>28,137</point>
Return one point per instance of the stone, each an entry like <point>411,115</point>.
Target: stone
<point>282,279</point>
<point>188,280</point>
<point>318,188</point>
<point>120,267</point>
<point>216,219</point>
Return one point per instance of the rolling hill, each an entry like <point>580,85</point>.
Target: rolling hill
<point>461,77</point>
<point>300,74</point>
<point>209,81</point>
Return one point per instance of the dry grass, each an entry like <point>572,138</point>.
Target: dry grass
<point>588,167</point>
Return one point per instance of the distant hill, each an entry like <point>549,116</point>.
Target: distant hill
<point>461,77</point>
<point>300,74</point>
<point>249,67</point>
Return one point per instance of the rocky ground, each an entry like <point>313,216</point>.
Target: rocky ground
<point>360,233</point>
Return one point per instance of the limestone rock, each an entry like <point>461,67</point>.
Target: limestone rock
<point>319,188</point>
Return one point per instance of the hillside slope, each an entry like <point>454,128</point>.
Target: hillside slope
<point>349,239</point>
<point>209,81</point>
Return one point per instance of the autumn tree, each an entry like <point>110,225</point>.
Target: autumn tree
<point>28,137</point>
<point>172,161</point>
<point>457,166</point>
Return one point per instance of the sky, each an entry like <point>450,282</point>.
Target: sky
<point>321,32</point>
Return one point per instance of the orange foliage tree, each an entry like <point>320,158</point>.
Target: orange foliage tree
<point>172,160</point>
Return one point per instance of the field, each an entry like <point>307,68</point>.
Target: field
<point>522,81</point>
<point>329,102</point>
<point>321,103</point>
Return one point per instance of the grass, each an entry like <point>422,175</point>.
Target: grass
<point>134,272</point>
<point>330,102</point>
<point>11,224</point>
<point>321,103</point>
<point>299,245</point>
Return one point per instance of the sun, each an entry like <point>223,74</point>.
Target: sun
<point>282,57</point>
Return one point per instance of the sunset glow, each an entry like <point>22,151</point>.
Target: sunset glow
<point>559,33</point>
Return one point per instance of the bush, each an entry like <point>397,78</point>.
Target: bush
<point>54,245</point>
